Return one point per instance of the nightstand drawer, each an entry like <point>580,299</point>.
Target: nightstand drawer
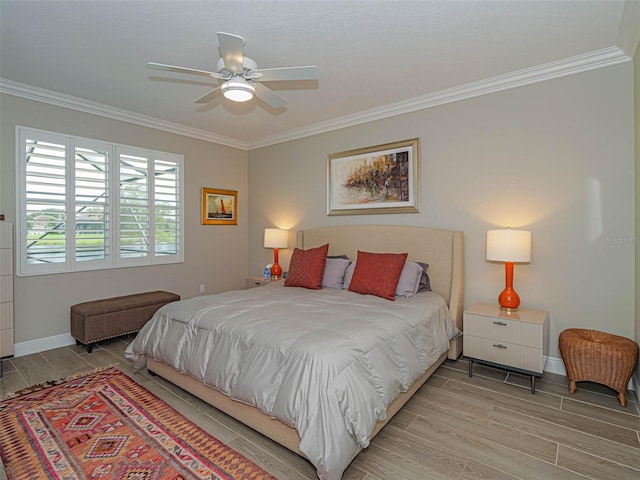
<point>252,282</point>
<point>504,330</point>
<point>504,353</point>
<point>256,282</point>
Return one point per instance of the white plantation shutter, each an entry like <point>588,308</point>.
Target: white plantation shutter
<point>133,211</point>
<point>91,204</point>
<point>43,214</point>
<point>167,214</point>
<point>84,204</point>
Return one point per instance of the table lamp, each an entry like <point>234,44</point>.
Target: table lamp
<point>276,238</point>
<point>509,246</point>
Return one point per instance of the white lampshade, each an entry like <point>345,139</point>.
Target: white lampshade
<point>238,90</point>
<point>507,245</point>
<point>276,238</point>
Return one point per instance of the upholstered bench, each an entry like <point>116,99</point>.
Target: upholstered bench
<point>590,355</point>
<point>111,317</point>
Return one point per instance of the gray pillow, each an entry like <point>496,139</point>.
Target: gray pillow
<point>409,281</point>
<point>348,275</point>
<point>425,283</point>
<point>334,269</point>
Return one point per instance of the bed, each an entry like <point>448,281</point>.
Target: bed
<point>290,392</point>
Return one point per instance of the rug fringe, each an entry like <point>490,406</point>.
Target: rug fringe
<point>53,383</point>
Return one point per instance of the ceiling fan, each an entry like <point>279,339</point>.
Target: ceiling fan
<point>241,76</point>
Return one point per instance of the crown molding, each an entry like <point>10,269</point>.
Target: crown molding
<point>30,92</point>
<point>548,71</point>
<point>629,33</point>
<point>527,76</point>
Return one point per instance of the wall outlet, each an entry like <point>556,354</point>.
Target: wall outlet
<point>202,288</point>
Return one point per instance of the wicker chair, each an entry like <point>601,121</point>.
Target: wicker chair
<point>590,355</point>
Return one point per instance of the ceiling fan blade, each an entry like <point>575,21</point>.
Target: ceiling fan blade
<point>285,73</point>
<point>209,96</point>
<point>231,49</point>
<point>269,96</point>
<point>190,71</point>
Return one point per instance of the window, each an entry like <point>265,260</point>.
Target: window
<point>86,205</point>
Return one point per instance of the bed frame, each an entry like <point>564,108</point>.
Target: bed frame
<point>443,250</point>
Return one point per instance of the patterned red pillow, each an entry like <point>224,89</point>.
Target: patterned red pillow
<point>377,274</point>
<point>306,268</point>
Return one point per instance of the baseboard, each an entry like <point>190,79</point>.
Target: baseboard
<point>556,365</point>
<point>43,344</point>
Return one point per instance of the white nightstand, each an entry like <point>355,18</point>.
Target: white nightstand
<point>516,341</point>
<point>252,282</point>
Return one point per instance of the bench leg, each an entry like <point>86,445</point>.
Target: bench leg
<point>89,347</point>
<point>78,343</point>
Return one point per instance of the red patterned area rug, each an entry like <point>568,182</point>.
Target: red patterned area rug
<point>104,425</point>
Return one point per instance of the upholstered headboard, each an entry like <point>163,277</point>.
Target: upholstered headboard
<point>443,250</point>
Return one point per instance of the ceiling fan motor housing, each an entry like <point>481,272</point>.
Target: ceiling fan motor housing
<point>247,65</point>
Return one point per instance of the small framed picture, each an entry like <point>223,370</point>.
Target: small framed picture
<point>219,207</point>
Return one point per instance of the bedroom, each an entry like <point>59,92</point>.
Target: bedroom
<point>555,157</point>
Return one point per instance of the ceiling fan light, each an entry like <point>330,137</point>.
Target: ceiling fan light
<point>238,90</point>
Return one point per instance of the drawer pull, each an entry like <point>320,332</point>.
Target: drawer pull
<point>497,345</point>
<point>502,324</point>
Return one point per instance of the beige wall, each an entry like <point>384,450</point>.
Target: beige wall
<point>556,158</point>
<point>214,255</point>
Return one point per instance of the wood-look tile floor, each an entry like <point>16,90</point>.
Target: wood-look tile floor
<point>486,427</point>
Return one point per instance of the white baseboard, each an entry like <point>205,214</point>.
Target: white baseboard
<point>43,344</point>
<point>556,365</point>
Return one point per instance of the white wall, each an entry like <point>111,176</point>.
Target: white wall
<point>214,255</point>
<point>556,158</point>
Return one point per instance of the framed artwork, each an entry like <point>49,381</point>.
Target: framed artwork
<point>219,207</point>
<point>380,179</point>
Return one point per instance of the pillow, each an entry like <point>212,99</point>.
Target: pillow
<point>377,274</point>
<point>348,275</point>
<point>306,268</point>
<point>425,283</point>
<point>334,269</point>
<point>409,281</point>
<point>338,256</point>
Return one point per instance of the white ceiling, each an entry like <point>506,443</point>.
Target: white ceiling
<point>376,58</point>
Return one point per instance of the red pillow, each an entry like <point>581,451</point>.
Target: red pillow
<point>377,274</point>
<point>306,268</point>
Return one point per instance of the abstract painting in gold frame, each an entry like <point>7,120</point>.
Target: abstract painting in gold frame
<point>380,179</point>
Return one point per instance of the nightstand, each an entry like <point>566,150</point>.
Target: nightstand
<point>516,341</point>
<point>252,282</point>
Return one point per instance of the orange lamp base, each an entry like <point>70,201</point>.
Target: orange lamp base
<point>276,270</point>
<point>509,300</point>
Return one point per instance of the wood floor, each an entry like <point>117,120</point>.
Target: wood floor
<point>486,427</point>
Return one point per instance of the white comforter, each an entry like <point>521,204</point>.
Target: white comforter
<point>326,362</point>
